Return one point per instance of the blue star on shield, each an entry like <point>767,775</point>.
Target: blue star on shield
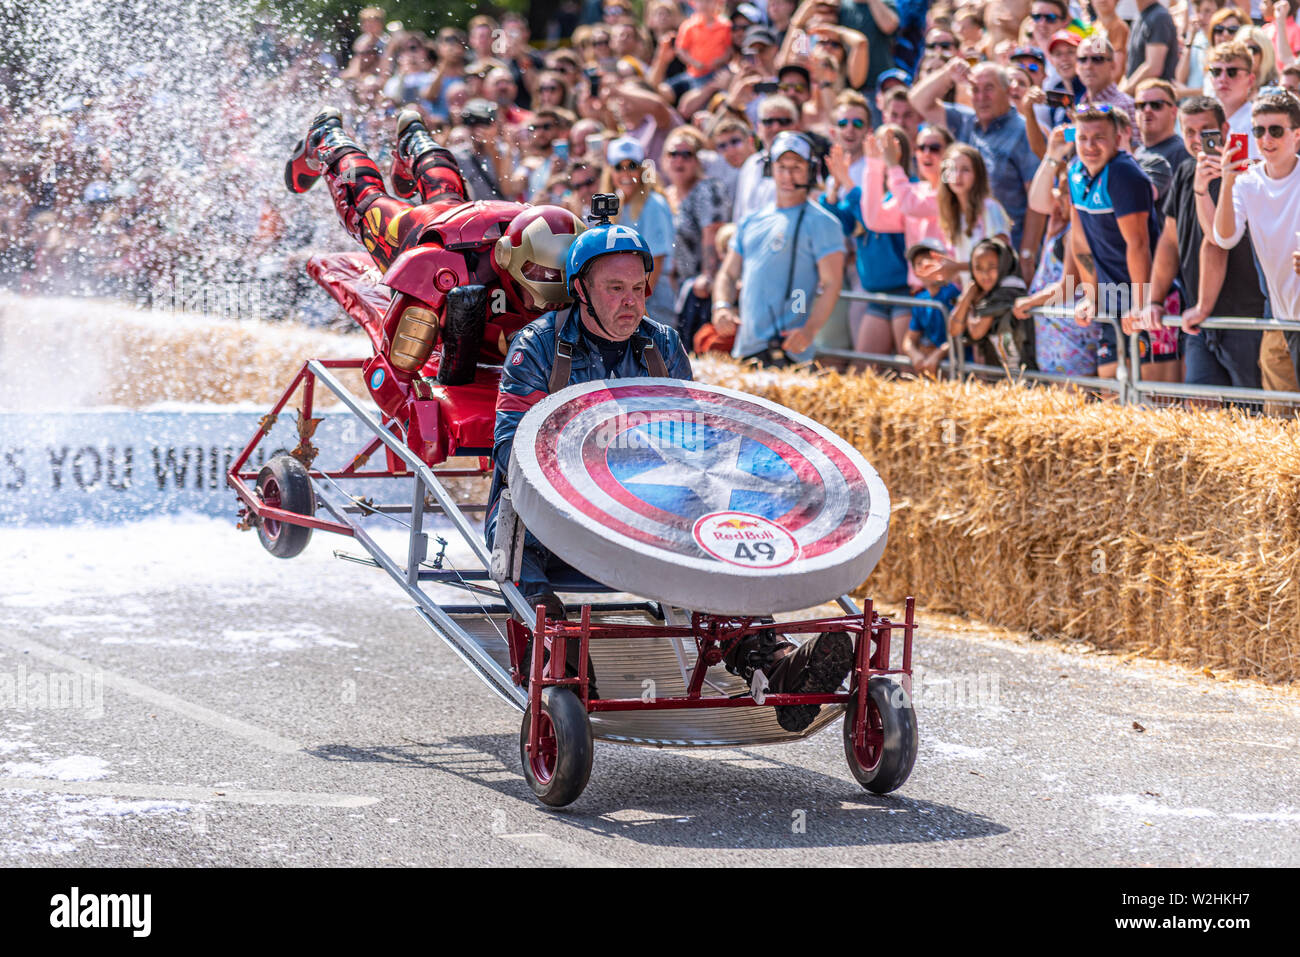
<point>693,470</point>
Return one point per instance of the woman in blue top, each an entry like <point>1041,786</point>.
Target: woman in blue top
<point>643,206</point>
<point>881,264</point>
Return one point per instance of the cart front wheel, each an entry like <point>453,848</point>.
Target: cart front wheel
<point>884,759</point>
<point>284,483</point>
<point>559,770</point>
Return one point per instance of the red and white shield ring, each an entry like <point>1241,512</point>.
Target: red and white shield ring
<point>698,496</point>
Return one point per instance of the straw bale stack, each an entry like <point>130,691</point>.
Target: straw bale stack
<point>1171,533</point>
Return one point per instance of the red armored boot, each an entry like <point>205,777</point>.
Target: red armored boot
<point>421,165</point>
<point>324,143</point>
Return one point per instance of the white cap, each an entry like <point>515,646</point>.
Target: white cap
<point>788,142</point>
<point>624,148</point>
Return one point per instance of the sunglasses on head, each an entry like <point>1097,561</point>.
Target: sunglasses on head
<point>1273,130</point>
<point>776,121</point>
<point>1044,17</point>
<point>857,121</point>
<point>1152,104</point>
<point>1098,58</point>
<point>627,166</point>
<point>682,154</point>
<point>1232,71</point>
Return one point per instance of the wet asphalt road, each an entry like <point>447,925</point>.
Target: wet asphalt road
<point>256,712</point>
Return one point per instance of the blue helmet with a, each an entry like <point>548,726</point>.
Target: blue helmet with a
<point>603,240</point>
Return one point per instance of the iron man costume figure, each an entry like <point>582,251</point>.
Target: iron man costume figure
<point>465,276</point>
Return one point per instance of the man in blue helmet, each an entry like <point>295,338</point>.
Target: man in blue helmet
<point>604,335</point>
<point>607,335</point>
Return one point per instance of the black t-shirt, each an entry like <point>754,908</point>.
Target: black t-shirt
<point>611,352</point>
<point>1173,150</point>
<point>1240,295</point>
<point>1154,25</point>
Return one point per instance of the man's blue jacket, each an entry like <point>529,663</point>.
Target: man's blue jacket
<point>526,374</point>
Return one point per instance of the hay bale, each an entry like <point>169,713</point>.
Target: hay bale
<point>1171,533</point>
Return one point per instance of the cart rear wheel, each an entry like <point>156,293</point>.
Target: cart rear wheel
<point>284,483</point>
<point>888,752</point>
<point>559,771</point>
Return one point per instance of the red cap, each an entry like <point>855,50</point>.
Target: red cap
<point>1064,36</point>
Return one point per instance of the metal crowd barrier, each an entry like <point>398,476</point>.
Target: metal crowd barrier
<point>1127,385</point>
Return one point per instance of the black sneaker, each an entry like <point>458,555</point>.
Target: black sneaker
<point>818,667</point>
<point>555,609</point>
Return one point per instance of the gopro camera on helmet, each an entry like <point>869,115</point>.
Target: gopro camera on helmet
<point>604,207</point>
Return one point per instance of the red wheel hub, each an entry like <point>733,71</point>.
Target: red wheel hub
<point>542,761</point>
<point>870,748</point>
<point>271,498</point>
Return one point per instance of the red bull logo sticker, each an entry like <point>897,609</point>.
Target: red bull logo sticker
<point>740,538</point>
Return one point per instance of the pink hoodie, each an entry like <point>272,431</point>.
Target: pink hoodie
<point>912,208</point>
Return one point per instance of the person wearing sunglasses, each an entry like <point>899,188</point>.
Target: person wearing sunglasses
<point>1209,275</point>
<point>877,264</point>
<point>1097,70</point>
<point>733,143</point>
<point>644,207</point>
<point>1113,232</point>
<point>993,126</point>
<point>1232,76</point>
<point>1157,119</point>
<point>789,259</point>
<point>1266,199</point>
<point>1153,47</point>
<point>1047,17</point>
<point>754,189</point>
<point>700,209</point>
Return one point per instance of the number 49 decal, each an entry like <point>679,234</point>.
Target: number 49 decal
<point>739,538</point>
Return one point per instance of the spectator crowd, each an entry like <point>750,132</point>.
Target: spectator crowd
<point>1123,160</point>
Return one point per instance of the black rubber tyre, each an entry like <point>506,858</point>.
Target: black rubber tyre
<point>284,483</point>
<point>886,760</point>
<point>559,773</point>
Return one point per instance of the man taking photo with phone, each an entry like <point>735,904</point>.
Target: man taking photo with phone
<point>1266,198</point>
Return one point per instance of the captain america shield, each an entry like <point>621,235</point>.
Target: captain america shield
<point>698,496</point>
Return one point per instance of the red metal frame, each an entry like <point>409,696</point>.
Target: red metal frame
<point>714,635</point>
<point>244,482</point>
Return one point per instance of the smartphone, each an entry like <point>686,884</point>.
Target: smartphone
<point>1059,98</point>
<point>1239,151</point>
<point>1069,134</point>
<point>766,88</point>
<point>593,80</point>
<point>1211,142</point>
<point>596,147</point>
<point>561,150</point>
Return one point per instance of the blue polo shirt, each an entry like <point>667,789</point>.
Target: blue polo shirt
<point>1121,188</point>
<point>1011,163</point>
